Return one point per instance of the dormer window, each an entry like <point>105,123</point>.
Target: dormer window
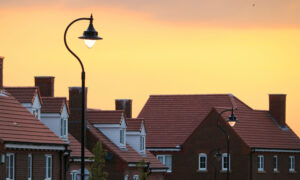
<point>35,113</point>
<point>63,129</point>
<point>122,136</point>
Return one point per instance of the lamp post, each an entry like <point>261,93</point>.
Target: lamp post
<point>231,121</point>
<point>89,36</point>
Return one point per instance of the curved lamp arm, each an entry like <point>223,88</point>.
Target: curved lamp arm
<point>65,40</point>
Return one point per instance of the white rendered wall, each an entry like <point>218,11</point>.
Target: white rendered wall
<point>53,122</point>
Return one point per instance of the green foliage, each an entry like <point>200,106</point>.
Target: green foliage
<point>97,167</point>
<point>142,166</point>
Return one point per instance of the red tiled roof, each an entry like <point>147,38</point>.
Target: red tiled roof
<point>75,148</point>
<point>134,124</point>
<point>53,104</point>
<point>154,162</point>
<point>129,155</point>
<point>24,94</point>
<point>17,124</point>
<point>170,119</point>
<point>259,130</point>
<point>104,117</point>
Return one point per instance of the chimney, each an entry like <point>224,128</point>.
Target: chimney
<point>277,108</point>
<point>1,71</point>
<point>74,122</point>
<point>125,105</point>
<point>46,85</point>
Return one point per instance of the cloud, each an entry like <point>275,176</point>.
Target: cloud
<point>216,12</point>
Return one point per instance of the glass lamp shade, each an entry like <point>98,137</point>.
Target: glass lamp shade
<point>231,123</point>
<point>232,119</point>
<point>89,42</point>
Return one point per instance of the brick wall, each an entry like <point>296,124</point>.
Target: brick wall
<point>283,166</point>
<point>38,165</point>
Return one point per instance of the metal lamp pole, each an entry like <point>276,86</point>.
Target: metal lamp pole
<point>231,120</point>
<point>89,36</point>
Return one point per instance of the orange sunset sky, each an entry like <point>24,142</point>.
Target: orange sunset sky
<point>249,48</point>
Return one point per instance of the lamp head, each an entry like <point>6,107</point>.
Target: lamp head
<point>90,35</point>
<point>232,119</point>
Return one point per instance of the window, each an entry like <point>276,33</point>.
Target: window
<point>292,163</point>
<point>63,129</point>
<point>136,177</point>
<point>74,175</point>
<point>142,143</point>
<point>29,166</point>
<point>225,162</point>
<point>48,167</point>
<point>122,136</point>
<point>35,113</point>
<point>10,166</point>
<point>126,177</point>
<point>275,163</point>
<point>202,162</point>
<point>260,163</point>
<point>166,160</point>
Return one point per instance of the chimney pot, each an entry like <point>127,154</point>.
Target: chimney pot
<point>125,105</point>
<point>1,72</point>
<point>46,85</point>
<point>277,108</point>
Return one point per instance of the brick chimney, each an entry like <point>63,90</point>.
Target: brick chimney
<point>74,122</point>
<point>125,105</point>
<point>1,71</point>
<point>277,108</point>
<point>46,85</point>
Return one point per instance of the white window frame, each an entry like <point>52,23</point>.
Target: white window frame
<point>292,162</point>
<point>136,177</point>
<point>163,156</point>
<point>142,143</point>
<point>29,166</point>
<point>199,162</point>
<point>48,158</point>
<point>8,166</point>
<point>36,113</point>
<point>275,160</point>
<point>260,163</point>
<point>63,127</point>
<point>74,175</point>
<point>126,177</point>
<point>122,136</point>
<point>224,155</point>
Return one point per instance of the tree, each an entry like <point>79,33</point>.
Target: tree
<point>97,167</point>
<point>143,173</point>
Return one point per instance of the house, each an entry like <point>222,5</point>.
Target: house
<point>110,128</point>
<point>75,159</point>
<point>183,132</point>
<point>28,148</point>
<point>54,113</point>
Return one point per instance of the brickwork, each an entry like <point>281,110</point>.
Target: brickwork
<point>207,138</point>
<point>38,165</point>
<point>46,85</point>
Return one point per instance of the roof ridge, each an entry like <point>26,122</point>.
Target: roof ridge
<point>221,94</point>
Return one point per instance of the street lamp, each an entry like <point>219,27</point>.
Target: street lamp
<point>89,36</point>
<point>231,121</point>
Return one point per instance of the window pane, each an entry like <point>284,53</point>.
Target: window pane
<point>65,127</point>
<point>11,166</point>
<point>161,159</point>
<point>169,162</point>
